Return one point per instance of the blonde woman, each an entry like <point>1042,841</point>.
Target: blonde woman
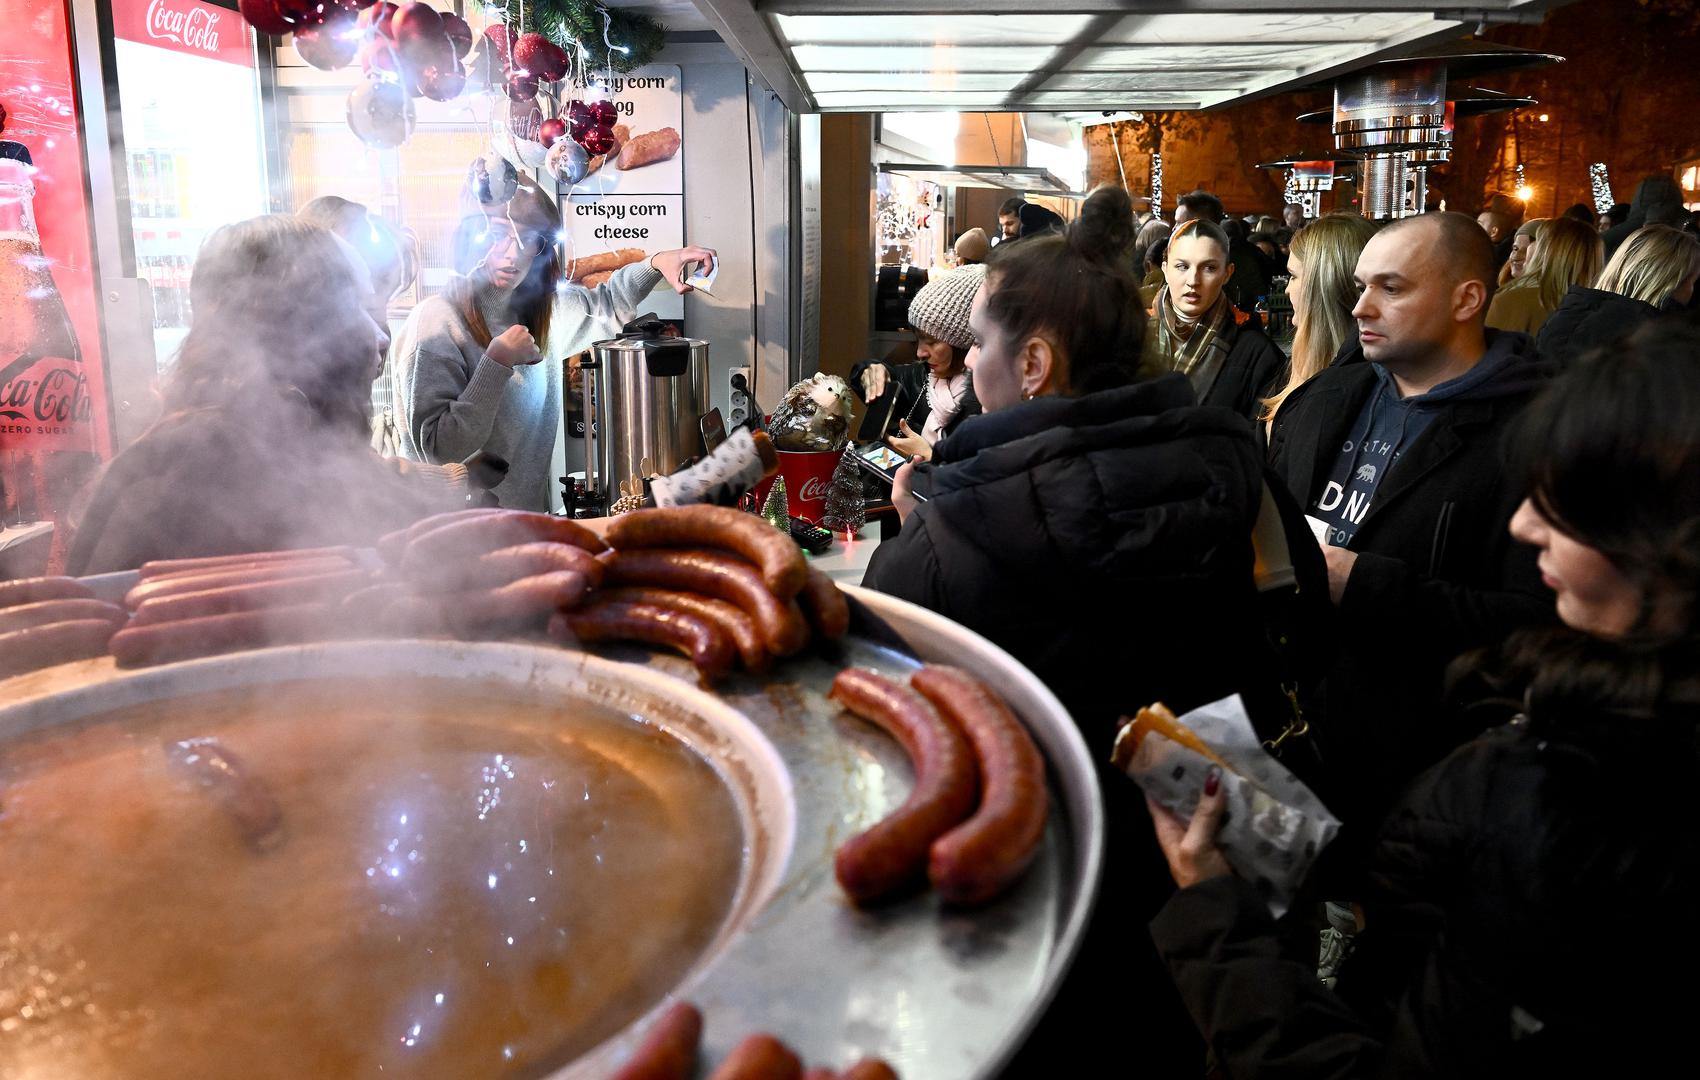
<point>1566,252</point>
<point>1653,270</point>
<point>1323,292</point>
<point>1519,258</point>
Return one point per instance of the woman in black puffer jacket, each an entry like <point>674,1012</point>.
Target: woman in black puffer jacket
<point>1099,528</point>
<point>1530,910</point>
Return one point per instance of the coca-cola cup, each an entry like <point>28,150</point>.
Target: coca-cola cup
<point>808,475</point>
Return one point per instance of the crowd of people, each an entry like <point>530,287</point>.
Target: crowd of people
<point>1489,662</point>
<point>1481,454</point>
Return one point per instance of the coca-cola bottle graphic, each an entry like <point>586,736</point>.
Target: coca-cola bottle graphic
<point>46,415</point>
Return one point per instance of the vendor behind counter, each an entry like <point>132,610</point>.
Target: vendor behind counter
<point>264,439</point>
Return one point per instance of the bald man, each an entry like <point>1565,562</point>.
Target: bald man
<point>1394,452</point>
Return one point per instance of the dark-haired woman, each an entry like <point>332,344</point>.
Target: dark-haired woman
<point>264,441</point>
<point>1530,906</point>
<point>1195,328</point>
<point>1097,524</point>
<point>471,370</point>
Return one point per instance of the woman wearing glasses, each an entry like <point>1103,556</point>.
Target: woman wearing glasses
<point>469,363</point>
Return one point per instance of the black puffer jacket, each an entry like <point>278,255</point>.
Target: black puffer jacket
<point>1102,540</point>
<point>1587,319</point>
<point>1530,913</point>
<point>1105,541</point>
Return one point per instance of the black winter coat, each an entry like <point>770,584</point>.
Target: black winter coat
<point>1587,319</point>
<point>1105,541</point>
<point>1255,369</point>
<point>1437,574</point>
<point>1530,913</point>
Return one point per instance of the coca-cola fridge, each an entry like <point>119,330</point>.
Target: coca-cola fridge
<point>54,422</point>
<point>194,150</point>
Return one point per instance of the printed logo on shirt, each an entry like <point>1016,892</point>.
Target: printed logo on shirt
<point>1346,499</point>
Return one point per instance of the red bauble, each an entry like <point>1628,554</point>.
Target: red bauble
<point>498,36</point>
<point>382,16</point>
<point>596,140</point>
<point>378,57</point>
<point>332,44</point>
<point>264,16</point>
<point>578,117</point>
<point>442,84</point>
<point>522,88</point>
<point>539,57</point>
<point>603,115</point>
<point>302,13</point>
<point>460,34</point>
<point>550,130</point>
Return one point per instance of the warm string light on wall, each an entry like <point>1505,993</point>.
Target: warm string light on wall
<point>1524,191</point>
<point>1601,183</point>
<point>1157,183</point>
<point>1291,192</point>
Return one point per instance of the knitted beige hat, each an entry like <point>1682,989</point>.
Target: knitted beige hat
<point>940,309</point>
<point>973,246</point>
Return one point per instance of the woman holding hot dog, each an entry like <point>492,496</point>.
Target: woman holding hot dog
<point>1529,909</point>
<point>478,367</point>
<point>1196,330</point>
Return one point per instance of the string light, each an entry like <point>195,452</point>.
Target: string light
<point>1291,192</point>
<point>1157,183</point>
<point>1601,183</point>
<point>1524,191</point>
<point>608,21</point>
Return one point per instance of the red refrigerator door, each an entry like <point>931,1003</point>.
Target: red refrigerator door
<point>53,399</point>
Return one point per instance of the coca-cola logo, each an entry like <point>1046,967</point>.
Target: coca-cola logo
<point>60,396</point>
<point>194,27</point>
<point>814,489</point>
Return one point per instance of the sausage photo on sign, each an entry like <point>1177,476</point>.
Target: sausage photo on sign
<point>605,262</point>
<point>649,148</point>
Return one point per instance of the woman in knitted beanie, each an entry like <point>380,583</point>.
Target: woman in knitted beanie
<point>927,403</point>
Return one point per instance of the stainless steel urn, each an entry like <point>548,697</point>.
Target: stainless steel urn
<point>645,395</point>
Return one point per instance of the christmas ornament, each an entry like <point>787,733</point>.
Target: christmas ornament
<point>497,36</point>
<point>521,88</point>
<point>567,162</point>
<point>776,511</point>
<point>550,130</point>
<point>356,5</point>
<point>264,16</point>
<point>518,141</point>
<point>460,34</point>
<point>608,37</point>
<point>379,59</point>
<point>492,179</point>
<point>301,13</point>
<point>440,84</point>
<point>332,44</point>
<point>597,140</point>
<point>380,114</point>
<point>381,18</point>
<point>539,57</point>
<point>846,510</point>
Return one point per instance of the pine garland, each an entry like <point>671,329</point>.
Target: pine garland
<point>575,24</point>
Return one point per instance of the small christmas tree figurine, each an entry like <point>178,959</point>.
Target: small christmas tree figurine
<point>845,510</point>
<point>777,508</point>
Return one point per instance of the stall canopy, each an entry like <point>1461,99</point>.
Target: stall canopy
<point>1074,56</point>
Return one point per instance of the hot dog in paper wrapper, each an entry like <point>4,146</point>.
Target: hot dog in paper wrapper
<point>1274,828</point>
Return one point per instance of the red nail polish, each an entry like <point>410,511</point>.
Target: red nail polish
<point>1212,783</point>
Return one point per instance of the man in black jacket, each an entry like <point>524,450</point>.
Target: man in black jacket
<point>1398,460</point>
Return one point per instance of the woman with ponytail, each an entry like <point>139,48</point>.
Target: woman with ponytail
<point>1532,898</point>
<point>1095,522</point>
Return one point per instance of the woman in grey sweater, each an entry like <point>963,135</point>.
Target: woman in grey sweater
<point>478,367</point>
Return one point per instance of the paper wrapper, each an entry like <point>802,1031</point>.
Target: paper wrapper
<point>814,416</point>
<point>1275,826</point>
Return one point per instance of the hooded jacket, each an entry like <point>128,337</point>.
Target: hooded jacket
<point>1437,572</point>
<point>1587,319</point>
